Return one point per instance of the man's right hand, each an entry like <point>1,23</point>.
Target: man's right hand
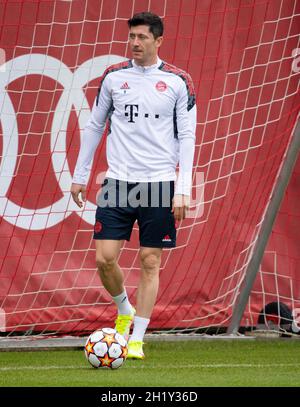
<point>76,189</point>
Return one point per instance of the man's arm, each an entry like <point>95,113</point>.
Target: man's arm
<point>186,113</point>
<point>92,135</point>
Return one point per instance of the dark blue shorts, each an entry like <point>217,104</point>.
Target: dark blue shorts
<point>122,203</point>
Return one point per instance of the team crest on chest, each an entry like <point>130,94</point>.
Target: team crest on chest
<point>161,86</point>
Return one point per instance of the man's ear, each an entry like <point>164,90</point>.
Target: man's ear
<point>159,41</point>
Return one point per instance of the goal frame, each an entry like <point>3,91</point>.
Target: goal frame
<point>284,174</point>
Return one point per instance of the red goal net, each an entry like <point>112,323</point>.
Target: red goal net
<point>244,59</point>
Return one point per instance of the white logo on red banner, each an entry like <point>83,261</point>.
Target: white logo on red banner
<point>72,97</point>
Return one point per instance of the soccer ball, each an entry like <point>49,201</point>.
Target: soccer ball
<point>106,348</point>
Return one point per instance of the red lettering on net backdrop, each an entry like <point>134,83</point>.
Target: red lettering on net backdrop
<point>55,54</point>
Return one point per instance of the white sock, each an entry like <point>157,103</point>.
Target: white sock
<point>123,304</point>
<point>139,328</point>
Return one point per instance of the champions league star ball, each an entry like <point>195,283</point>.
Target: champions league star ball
<point>106,348</point>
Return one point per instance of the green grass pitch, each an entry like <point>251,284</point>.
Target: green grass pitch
<point>220,363</point>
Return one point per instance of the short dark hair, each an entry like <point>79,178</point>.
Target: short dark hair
<point>156,26</point>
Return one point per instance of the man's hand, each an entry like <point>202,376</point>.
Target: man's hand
<point>76,189</point>
<point>181,204</point>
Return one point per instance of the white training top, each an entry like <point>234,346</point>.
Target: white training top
<point>151,115</point>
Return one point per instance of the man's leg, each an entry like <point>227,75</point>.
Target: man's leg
<point>150,259</point>
<point>107,253</point>
<point>146,296</point>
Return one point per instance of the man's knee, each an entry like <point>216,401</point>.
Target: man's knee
<point>150,262</point>
<point>107,253</point>
<point>105,263</point>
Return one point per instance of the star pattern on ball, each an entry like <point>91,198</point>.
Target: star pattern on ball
<point>89,347</point>
<point>109,339</point>
<point>106,360</point>
<point>124,352</point>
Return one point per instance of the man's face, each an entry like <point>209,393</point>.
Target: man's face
<point>143,45</point>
